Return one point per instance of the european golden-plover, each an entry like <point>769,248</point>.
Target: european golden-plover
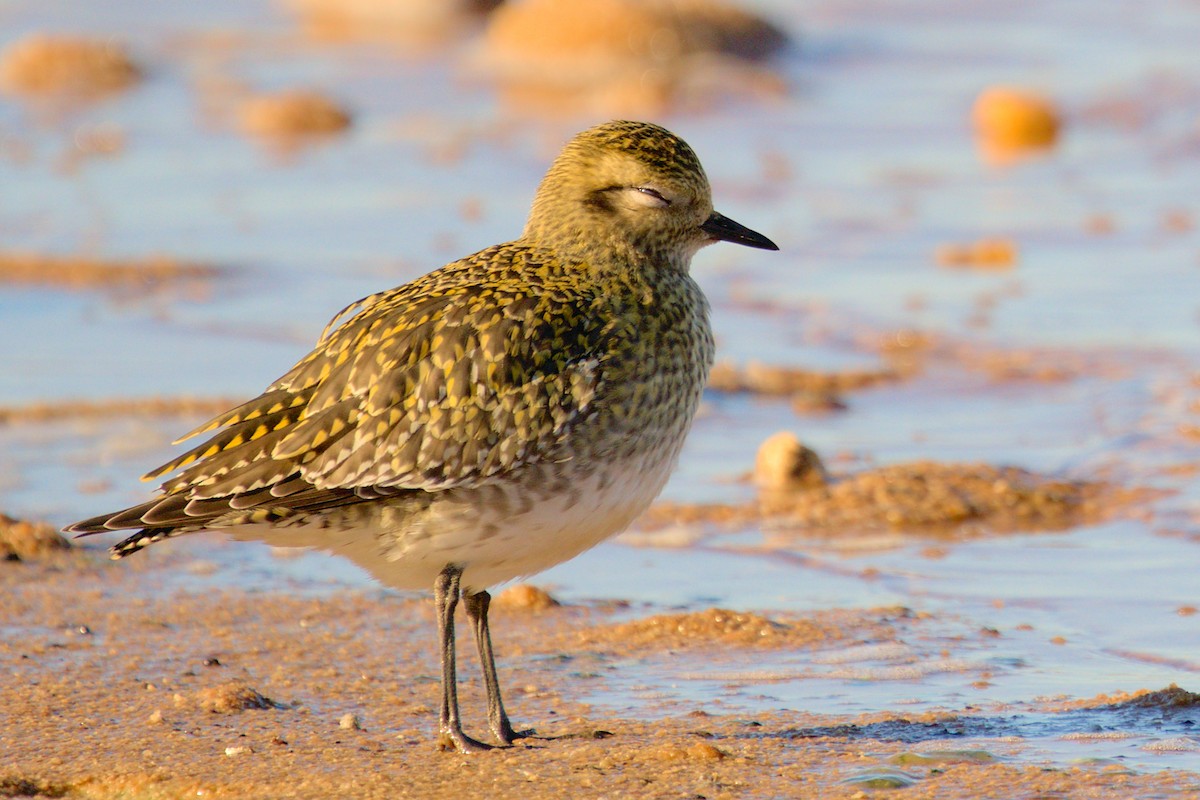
<point>493,418</point>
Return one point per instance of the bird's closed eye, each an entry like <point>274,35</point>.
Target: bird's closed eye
<point>608,198</point>
<point>652,196</point>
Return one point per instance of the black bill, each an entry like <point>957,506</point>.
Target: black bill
<point>723,228</point>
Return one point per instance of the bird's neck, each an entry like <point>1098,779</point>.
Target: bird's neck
<point>603,254</point>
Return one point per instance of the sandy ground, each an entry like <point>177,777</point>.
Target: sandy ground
<point>122,686</point>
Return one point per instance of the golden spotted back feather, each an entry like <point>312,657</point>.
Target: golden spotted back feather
<point>432,385</point>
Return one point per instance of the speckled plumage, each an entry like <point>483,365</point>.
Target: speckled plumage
<point>494,417</point>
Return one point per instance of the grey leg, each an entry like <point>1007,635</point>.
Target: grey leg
<point>445,598</point>
<point>476,606</point>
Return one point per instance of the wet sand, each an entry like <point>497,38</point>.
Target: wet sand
<point>122,686</point>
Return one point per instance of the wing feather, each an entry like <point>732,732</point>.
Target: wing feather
<point>479,368</point>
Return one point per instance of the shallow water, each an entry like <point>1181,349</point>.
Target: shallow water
<point>876,137</point>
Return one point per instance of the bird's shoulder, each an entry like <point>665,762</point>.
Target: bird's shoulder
<point>491,292</point>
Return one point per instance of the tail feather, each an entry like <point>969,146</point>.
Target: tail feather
<point>143,538</point>
<point>175,514</point>
<point>106,523</point>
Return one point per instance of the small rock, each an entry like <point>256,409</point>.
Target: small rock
<point>622,55</point>
<point>984,253</point>
<point>232,697</point>
<point>349,722</point>
<point>64,65</point>
<point>21,540</point>
<point>817,402</point>
<point>413,24</point>
<point>238,750</point>
<point>784,463</point>
<point>1009,119</point>
<point>527,597</point>
<point>292,114</point>
<point>703,751</point>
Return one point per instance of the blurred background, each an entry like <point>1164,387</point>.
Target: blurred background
<point>975,355</point>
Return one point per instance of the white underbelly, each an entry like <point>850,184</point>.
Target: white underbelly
<point>549,533</point>
<point>493,535</point>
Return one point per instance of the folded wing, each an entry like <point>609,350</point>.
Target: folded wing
<point>443,383</point>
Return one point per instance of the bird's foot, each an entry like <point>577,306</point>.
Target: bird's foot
<point>505,733</point>
<point>455,739</point>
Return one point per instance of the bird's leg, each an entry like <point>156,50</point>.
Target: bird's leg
<point>476,606</point>
<point>445,598</point>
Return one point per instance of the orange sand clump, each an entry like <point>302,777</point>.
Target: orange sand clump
<point>766,379</point>
<point>910,352</point>
<point>927,494</point>
<point>93,409</point>
<point>525,597</point>
<point>293,114</point>
<point>63,65</point>
<point>701,751</point>
<point>1010,121</point>
<point>1189,431</point>
<point>588,33</point>
<point>715,626</point>
<point>812,403</point>
<point>83,272</point>
<point>20,540</point>
<point>231,697</point>
<point>921,497</point>
<point>413,22</point>
<point>1021,366</point>
<point>636,54</point>
<point>1172,696</point>
<point>985,254</point>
